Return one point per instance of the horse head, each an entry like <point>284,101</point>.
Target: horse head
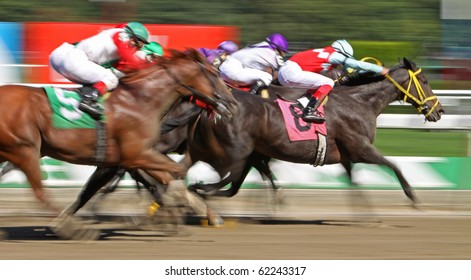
<point>182,73</point>
<point>196,76</point>
<point>415,89</point>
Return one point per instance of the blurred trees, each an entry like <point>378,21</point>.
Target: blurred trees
<point>376,28</point>
<point>311,22</point>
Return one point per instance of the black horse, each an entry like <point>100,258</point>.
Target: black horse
<point>351,113</point>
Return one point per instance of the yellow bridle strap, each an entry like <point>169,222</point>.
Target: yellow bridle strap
<point>377,62</point>
<point>420,91</point>
<point>350,70</point>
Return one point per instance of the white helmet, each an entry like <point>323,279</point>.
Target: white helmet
<point>343,47</point>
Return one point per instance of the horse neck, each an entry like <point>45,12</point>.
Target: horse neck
<point>153,87</point>
<point>378,95</point>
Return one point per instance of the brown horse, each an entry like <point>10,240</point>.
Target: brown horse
<point>258,128</point>
<point>133,113</point>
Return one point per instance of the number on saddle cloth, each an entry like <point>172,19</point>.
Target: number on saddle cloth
<point>297,129</point>
<point>65,113</point>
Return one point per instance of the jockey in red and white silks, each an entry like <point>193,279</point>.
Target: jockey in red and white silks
<point>90,61</point>
<point>304,70</point>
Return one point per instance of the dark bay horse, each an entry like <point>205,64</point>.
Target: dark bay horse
<point>351,113</point>
<point>133,113</point>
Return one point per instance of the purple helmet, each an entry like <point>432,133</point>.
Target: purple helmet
<point>278,41</point>
<point>228,46</point>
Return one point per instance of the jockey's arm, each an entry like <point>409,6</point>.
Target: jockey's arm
<point>361,66</point>
<point>128,54</point>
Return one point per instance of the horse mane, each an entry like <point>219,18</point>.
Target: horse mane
<point>163,62</point>
<point>358,79</point>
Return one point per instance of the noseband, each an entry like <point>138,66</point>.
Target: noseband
<point>422,98</point>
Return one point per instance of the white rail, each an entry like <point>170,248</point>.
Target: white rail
<point>447,98</point>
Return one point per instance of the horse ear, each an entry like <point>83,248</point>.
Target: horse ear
<point>193,53</point>
<point>196,54</point>
<point>409,64</point>
<point>174,53</point>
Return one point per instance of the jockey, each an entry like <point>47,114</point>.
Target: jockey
<point>220,54</point>
<point>250,65</point>
<point>304,70</point>
<point>88,62</point>
<point>152,50</point>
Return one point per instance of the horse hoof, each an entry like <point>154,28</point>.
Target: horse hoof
<point>3,235</point>
<point>213,222</point>
<point>77,233</point>
<point>69,228</point>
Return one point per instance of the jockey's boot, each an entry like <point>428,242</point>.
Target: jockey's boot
<point>310,113</point>
<point>88,103</point>
<point>259,85</point>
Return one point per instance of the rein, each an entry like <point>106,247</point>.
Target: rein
<point>422,98</point>
<point>195,92</point>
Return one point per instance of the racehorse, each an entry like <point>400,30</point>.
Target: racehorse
<point>351,113</point>
<point>132,114</point>
<point>258,133</point>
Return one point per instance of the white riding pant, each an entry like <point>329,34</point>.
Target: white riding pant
<point>291,74</point>
<point>74,65</point>
<point>233,72</point>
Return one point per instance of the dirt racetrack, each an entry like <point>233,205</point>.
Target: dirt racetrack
<point>322,225</point>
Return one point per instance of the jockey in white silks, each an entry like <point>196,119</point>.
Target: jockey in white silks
<point>97,61</point>
<point>251,65</point>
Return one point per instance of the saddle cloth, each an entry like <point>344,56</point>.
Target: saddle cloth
<point>65,112</point>
<point>299,130</point>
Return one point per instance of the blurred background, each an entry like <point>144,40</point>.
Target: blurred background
<point>433,33</point>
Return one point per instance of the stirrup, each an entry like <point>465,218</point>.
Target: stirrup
<point>313,117</point>
<point>93,111</point>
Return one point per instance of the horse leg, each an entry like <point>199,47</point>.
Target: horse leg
<point>187,161</point>
<point>178,192</point>
<point>32,170</point>
<point>357,197</point>
<point>7,167</point>
<point>174,196</point>
<point>160,167</point>
<point>262,165</point>
<point>237,178</point>
<point>236,171</point>
<point>185,196</point>
<point>68,227</point>
<point>402,180</point>
<point>157,165</point>
<point>113,183</point>
<point>369,154</point>
<point>98,180</point>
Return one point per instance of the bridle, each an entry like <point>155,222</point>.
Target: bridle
<point>422,98</point>
<point>199,95</point>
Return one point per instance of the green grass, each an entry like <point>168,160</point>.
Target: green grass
<point>408,142</point>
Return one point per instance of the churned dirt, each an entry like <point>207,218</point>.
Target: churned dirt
<point>440,230</point>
